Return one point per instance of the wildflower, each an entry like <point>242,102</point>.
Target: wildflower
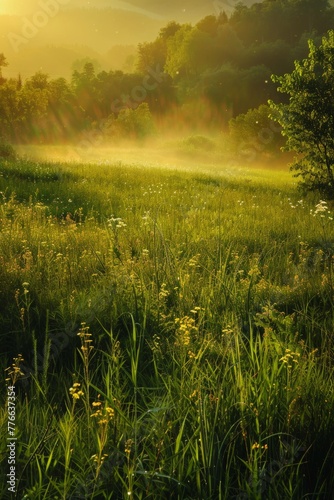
<point>86,341</point>
<point>254,271</point>
<point>103,414</point>
<point>128,446</point>
<point>195,394</point>
<point>321,207</point>
<point>163,292</point>
<point>186,327</point>
<point>193,262</point>
<point>116,222</point>
<point>110,412</point>
<point>14,371</point>
<point>196,309</point>
<point>290,357</point>
<point>75,392</point>
<point>227,331</point>
<point>96,403</point>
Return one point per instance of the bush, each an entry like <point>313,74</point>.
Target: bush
<point>132,123</point>
<point>255,133</point>
<point>196,144</point>
<point>7,152</point>
<point>199,142</point>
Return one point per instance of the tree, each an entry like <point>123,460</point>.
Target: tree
<point>308,117</point>
<point>151,54</point>
<point>10,109</point>
<point>287,20</point>
<point>255,133</point>
<point>3,63</point>
<point>132,123</point>
<point>84,87</point>
<point>189,52</point>
<point>177,60</point>
<point>169,30</point>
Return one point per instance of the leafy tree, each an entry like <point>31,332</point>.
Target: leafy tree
<point>24,107</point>
<point>235,89</point>
<point>38,81</point>
<point>275,55</point>
<point>209,25</point>
<point>169,30</point>
<point>3,63</point>
<point>84,86</point>
<point>178,58</point>
<point>151,54</point>
<point>194,50</point>
<point>132,123</point>
<point>10,109</point>
<point>7,152</point>
<point>85,78</point>
<point>61,117</point>
<point>308,118</point>
<point>287,20</point>
<point>228,47</point>
<point>79,64</point>
<point>255,133</point>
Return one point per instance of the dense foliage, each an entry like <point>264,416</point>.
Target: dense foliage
<point>222,64</point>
<point>308,118</point>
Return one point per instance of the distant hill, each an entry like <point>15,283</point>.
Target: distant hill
<point>93,29</point>
<point>179,10</point>
<point>73,34</point>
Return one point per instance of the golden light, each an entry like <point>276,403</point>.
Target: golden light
<point>17,7</point>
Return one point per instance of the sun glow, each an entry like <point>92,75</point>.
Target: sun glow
<point>17,7</point>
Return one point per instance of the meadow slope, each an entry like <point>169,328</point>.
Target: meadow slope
<point>168,333</point>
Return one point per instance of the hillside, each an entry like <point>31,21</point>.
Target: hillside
<point>91,29</point>
<point>73,34</point>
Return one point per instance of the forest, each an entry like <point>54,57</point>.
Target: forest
<point>198,75</point>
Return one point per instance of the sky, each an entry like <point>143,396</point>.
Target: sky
<point>149,7</point>
<point>26,7</point>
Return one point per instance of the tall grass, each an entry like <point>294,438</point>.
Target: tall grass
<point>176,332</point>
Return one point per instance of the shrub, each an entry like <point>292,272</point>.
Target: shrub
<point>255,133</point>
<point>7,152</point>
<point>196,144</point>
<point>132,123</point>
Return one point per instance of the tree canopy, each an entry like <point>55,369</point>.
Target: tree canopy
<point>308,118</point>
<point>221,65</point>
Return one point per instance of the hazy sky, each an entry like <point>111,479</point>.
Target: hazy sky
<point>150,7</point>
<point>23,7</point>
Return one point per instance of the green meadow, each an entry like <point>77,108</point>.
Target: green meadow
<point>168,332</point>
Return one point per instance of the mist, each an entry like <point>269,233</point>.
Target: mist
<point>132,82</point>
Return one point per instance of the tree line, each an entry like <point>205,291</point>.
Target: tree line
<point>212,71</point>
